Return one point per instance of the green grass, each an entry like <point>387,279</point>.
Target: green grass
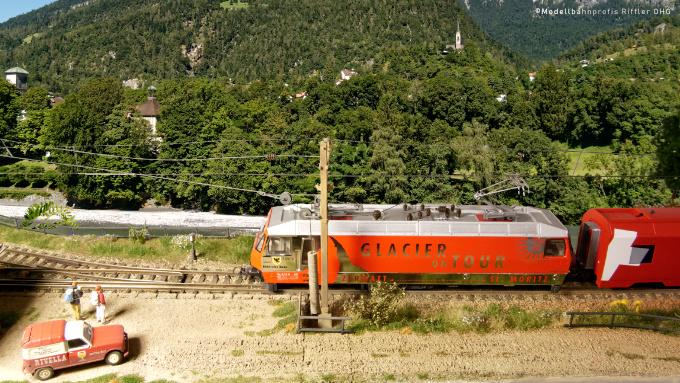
<point>21,194</point>
<point>234,251</point>
<point>234,4</point>
<point>579,163</point>
<point>287,311</point>
<point>30,38</point>
<point>463,319</point>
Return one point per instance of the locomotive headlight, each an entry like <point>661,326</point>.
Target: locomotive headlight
<point>554,247</point>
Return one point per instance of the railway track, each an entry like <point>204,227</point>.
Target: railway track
<point>21,268</point>
<point>29,269</point>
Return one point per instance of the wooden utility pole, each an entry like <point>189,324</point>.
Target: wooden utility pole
<point>323,210</point>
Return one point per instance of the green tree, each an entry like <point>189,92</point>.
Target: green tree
<point>628,184</point>
<point>668,151</point>
<point>387,162</point>
<point>552,97</point>
<point>35,102</point>
<point>9,109</point>
<point>92,123</point>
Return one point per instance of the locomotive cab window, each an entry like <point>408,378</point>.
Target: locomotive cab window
<point>279,246</point>
<point>260,240</point>
<point>555,247</point>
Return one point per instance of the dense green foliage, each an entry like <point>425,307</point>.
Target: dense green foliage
<point>668,150</point>
<point>380,306</point>
<point>41,215</point>
<point>152,39</point>
<point>530,29</point>
<point>422,127</point>
<point>620,43</point>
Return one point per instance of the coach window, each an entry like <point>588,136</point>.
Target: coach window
<point>554,247</point>
<point>279,246</point>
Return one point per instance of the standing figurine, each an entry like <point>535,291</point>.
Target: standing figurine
<point>72,297</point>
<point>98,301</point>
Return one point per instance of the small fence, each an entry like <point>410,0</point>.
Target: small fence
<point>655,319</point>
<point>124,231</point>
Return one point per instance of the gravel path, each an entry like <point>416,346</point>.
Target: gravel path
<point>218,336</point>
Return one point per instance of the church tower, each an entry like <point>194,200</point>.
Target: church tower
<point>459,44</point>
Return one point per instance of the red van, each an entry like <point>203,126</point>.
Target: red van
<point>57,344</point>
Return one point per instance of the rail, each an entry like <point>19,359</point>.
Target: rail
<point>612,323</point>
<point>123,231</point>
<point>340,330</point>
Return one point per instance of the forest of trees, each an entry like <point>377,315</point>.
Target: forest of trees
<point>425,127</point>
<point>541,36</point>
<point>172,39</point>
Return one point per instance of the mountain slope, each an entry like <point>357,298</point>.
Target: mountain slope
<point>266,39</point>
<point>534,30</point>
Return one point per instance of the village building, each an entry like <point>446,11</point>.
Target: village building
<point>346,74</point>
<point>18,77</point>
<point>151,109</point>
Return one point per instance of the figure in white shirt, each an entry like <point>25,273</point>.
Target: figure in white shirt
<point>98,301</point>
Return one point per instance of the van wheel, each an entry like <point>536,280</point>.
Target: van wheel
<point>114,357</point>
<point>555,289</point>
<point>44,373</point>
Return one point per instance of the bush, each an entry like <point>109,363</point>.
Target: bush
<point>51,176</point>
<point>4,178</point>
<point>138,235</point>
<point>380,306</point>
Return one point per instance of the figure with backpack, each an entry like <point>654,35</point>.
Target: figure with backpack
<point>72,297</point>
<point>99,302</point>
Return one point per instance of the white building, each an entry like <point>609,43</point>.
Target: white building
<point>18,77</point>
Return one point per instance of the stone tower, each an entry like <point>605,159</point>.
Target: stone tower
<point>459,44</point>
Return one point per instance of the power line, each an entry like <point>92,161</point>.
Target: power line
<point>72,150</point>
<point>502,148</point>
<point>492,148</point>
<point>131,174</point>
<point>159,143</point>
<point>439,176</point>
<point>166,174</point>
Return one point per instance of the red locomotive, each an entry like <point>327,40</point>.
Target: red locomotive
<point>431,244</point>
<point>628,246</point>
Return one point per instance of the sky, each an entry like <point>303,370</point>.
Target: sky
<point>11,8</point>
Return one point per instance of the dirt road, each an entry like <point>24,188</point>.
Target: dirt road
<point>186,339</point>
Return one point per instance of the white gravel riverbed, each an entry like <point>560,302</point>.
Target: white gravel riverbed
<point>150,217</point>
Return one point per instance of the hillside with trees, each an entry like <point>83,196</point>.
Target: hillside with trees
<point>542,30</point>
<point>423,126</point>
<point>62,44</point>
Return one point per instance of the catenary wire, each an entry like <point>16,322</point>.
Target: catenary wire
<point>71,148</point>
